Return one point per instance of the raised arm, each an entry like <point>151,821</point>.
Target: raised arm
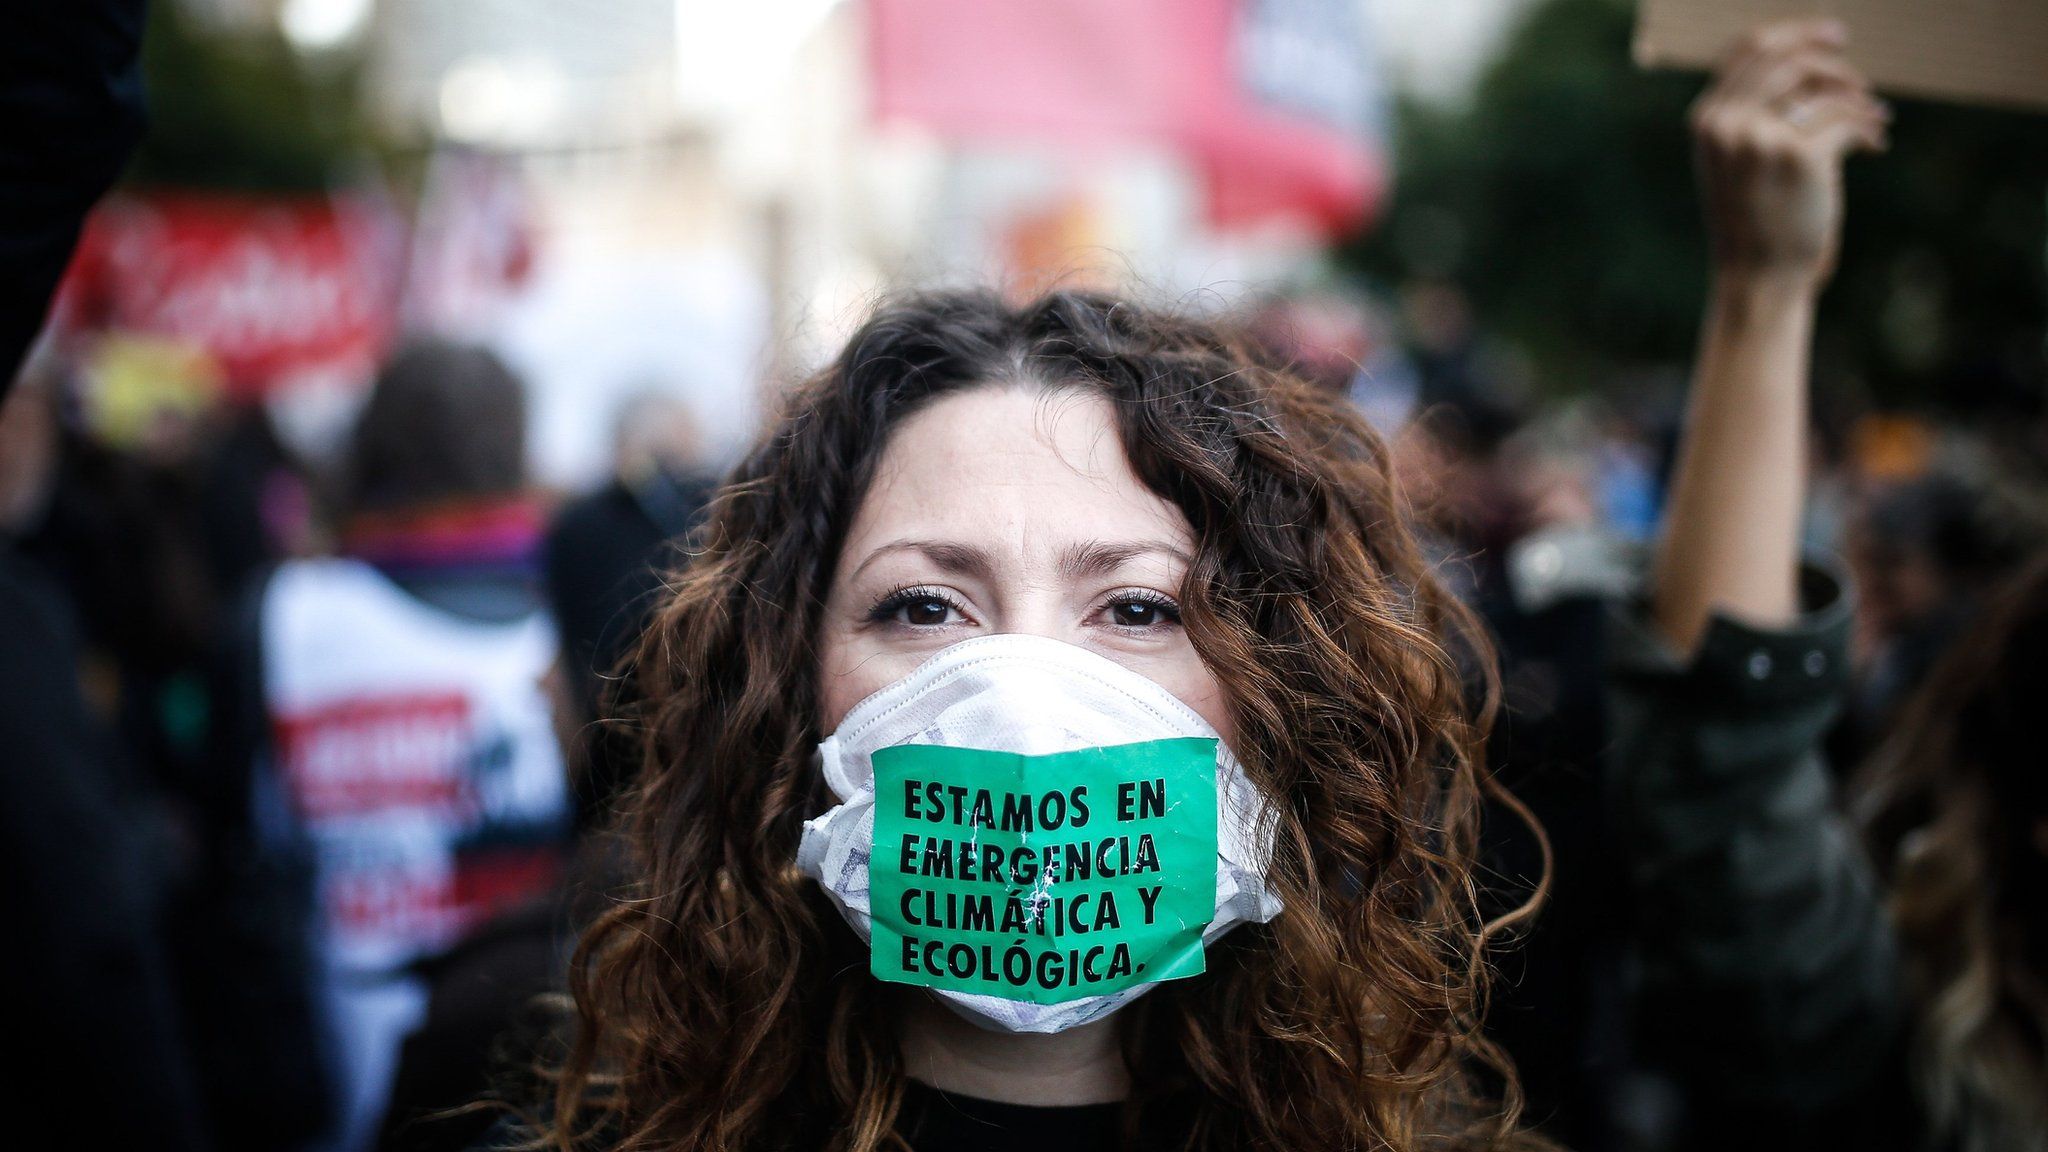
<point>1769,980</point>
<point>1770,137</point>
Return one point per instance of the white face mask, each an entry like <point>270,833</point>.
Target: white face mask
<point>1035,833</point>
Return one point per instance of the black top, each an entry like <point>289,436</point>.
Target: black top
<point>936,1121</point>
<point>605,557</point>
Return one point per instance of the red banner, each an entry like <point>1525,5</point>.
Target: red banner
<point>1286,119</point>
<point>375,754</point>
<point>1276,101</point>
<point>270,288</point>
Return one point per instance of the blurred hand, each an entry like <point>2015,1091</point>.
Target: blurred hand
<point>1769,136</point>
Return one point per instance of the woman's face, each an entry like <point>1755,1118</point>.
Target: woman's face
<point>1007,509</point>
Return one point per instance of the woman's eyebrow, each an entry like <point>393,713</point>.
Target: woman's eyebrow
<point>1089,558</point>
<point>1096,557</point>
<point>953,559</point>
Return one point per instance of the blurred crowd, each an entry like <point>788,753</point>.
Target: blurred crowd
<point>346,715</point>
<point>313,746</point>
<point>329,716</point>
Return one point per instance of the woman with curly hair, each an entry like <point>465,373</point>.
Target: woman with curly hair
<point>1057,735</point>
<point>1058,739</point>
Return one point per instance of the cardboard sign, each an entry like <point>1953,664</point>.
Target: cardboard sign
<point>1971,51</point>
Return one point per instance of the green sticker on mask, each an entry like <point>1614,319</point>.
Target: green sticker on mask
<point>1043,878</point>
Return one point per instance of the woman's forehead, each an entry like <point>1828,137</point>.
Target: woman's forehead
<point>1020,466</point>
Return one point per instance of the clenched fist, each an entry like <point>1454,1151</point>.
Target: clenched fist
<point>1770,135</point>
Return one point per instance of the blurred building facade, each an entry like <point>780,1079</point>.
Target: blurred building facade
<point>719,200</point>
<point>702,199</point>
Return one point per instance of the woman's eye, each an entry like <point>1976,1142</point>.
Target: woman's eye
<point>1137,612</point>
<point>925,611</point>
<point>917,608</point>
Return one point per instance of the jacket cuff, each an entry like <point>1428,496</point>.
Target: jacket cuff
<point>1744,664</point>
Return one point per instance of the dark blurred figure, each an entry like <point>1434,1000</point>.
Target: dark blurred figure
<point>1515,523</point>
<point>1923,552</point>
<point>395,711</point>
<point>1543,566</point>
<point>606,554</point>
<point>126,532</point>
<point>1955,808</point>
<point>94,1014</point>
<point>151,531</point>
<point>70,113</point>
<point>1549,566</point>
<point>92,1011</point>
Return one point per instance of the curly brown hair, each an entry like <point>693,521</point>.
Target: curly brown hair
<point>724,1005</point>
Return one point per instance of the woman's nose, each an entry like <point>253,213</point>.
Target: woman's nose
<point>1036,611</point>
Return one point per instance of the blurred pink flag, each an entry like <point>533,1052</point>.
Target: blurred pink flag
<point>1276,101</point>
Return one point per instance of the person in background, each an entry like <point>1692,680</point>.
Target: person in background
<point>130,500</point>
<point>1803,999</point>
<point>1510,517</point>
<point>93,1011</point>
<point>605,558</point>
<point>410,747</point>
<point>155,541</point>
<point>1537,566</point>
<point>1923,553</point>
<point>117,1046</point>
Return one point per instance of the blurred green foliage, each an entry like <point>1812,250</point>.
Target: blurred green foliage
<point>243,111</point>
<point>1561,199</point>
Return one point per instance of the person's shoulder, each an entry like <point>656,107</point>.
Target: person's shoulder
<point>318,575</point>
<point>601,510</point>
<point>317,595</point>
